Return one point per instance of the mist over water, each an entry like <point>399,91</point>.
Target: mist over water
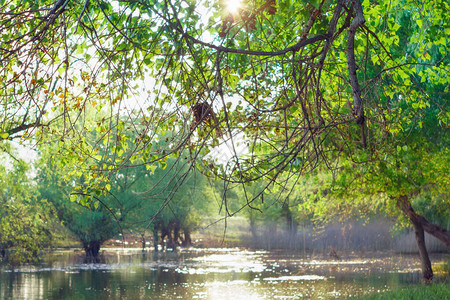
<point>350,236</point>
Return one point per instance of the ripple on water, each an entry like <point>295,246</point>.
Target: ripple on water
<point>239,262</point>
<point>295,278</point>
<point>326,262</point>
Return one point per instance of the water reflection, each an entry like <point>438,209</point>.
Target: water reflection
<point>208,274</point>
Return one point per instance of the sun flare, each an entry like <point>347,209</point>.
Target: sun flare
<point>233,6</point>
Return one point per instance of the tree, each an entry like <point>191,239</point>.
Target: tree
<point>276,209</point>
<point>308,83</point>
<point>62,181</point>
<point>92,225</point>
<point>167,200</point>
<point>26,223</point>
<point>388,185</point>
<point>176,201</point>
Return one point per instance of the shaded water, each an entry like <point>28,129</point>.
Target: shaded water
<point>210,274</point>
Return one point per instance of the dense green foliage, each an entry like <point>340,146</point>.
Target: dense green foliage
<point>26,220</point>
<point>134,200</point>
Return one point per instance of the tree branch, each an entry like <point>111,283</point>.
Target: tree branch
<point>438,232</point>
<point>358,109</point>
<point>23,127</point>
<point>293,48</point>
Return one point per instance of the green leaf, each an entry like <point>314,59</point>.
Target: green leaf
<point>73,198</point>
<point>419,23</point>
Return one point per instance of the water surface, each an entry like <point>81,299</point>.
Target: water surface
<point>210,274</point>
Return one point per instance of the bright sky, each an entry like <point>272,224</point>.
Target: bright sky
<point>233,5</point>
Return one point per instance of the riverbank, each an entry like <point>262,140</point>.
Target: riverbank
<point>430,292</point>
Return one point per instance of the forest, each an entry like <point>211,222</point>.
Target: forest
<point>161,118</point>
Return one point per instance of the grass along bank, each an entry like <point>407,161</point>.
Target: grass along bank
<point>430,292</point>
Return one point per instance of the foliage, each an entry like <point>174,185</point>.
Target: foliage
<point>178,195</point>
<point>278,72</point>
<point>407,153</point>
<point>372,187</point>
<point>26,223</point>
<point>129,199</point>
<point>24,232</point>
<point>89,223</point>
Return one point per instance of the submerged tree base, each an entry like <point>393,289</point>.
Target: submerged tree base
<point>92,250</point>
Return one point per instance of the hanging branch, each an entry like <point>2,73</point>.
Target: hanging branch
<point>358,108</point>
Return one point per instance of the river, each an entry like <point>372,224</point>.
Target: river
<point>210,274</point>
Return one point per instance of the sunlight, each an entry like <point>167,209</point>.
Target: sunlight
<point>233,6</point>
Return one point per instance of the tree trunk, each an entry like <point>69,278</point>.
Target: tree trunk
<point>253,227</point>
<point>92,250</point>
<point>170,234</point>
<point>187,242</point>
<point>420,224</point>
<point>155,239</point>
<point>427,271</point>
<point>143,241</point>
<point>166,231</point>
<point>291,225</point>
<point>176,233</point>
<point>432,229</point>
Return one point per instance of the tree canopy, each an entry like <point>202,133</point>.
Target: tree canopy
<point>354,89</point>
